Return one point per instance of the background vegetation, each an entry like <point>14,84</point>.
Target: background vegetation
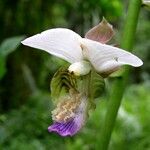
<point>25,74</point>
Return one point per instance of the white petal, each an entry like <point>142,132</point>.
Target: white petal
<point>106,58</point>
<point>61,42</point>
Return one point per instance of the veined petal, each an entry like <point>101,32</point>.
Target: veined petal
<point>72,126</point>
<point>64,129</point>
<point>61,42</point>
<point>106,58</point>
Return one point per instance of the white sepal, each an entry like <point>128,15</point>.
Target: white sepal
<point>61,42</point>
<point>106,58</point>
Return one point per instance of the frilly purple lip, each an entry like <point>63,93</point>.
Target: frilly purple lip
<point>64,129</point>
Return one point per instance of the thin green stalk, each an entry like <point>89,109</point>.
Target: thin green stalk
<point>120,83</point>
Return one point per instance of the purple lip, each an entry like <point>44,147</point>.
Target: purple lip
<point>64,129</point>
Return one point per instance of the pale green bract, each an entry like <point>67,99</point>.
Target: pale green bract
<point>63,81</point>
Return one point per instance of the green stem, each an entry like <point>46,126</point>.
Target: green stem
<point>120,83</point>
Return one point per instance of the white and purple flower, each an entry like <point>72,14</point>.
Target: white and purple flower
<point>84,54</point>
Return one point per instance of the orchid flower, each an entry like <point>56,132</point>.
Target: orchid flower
<point>84,55</point>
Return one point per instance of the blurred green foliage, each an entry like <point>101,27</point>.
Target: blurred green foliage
<point>7,47</point>
<point>25,74</point>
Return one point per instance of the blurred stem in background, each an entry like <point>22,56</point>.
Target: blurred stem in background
<point>120,83</point>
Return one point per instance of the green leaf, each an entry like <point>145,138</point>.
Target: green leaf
<point>9,45</point>
<point>6,47</point>
<point>61,83</point>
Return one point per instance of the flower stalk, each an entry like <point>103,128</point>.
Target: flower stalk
<point>120,83</point>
